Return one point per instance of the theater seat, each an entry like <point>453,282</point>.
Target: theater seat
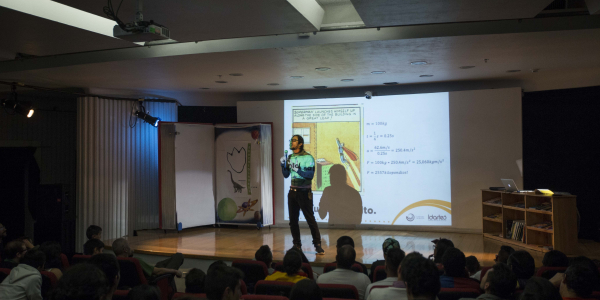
<point>379,273</point>
<point>483,271</point>
<point>180,295</point>
<point>457,293</point>
<point>549,272</point>
<point>275,288</point>
<point>78,259</point>
<point>132,275</point>
<point>121,295</point>
<point>263,297</point>
<point>253,271</point>
<point>343,291</point>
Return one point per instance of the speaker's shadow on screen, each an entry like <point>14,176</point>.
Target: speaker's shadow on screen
<point>342,202</point>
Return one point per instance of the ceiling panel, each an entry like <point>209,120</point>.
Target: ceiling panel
<point>376,13</point>
<point>200,20</point>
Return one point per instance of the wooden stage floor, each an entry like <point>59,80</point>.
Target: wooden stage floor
<point>235,243</point>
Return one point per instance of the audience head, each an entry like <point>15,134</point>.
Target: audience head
<point>472,264</point>
<point>94,232</point>
<point>538,288</point>
<point>393,259</point>
<point>82,281</point>
<point>582,260</point>
<point>504,253</point>
<point>34,258</point>
<point>93,247</point>
<point>218,263</point>
<point>440,249</point>
<point>421,277</point>
<point>194,281</point>
<point>522,264</point>
<point>144,292</point>
<point>52,250</point>
<point>306,289</point>
<point>555,258</point>
<point>292,262</point>
<point>389,244</point>
<point>121,248</point>
<point>223,283</point>
<point>345,257</point>
<point>15,250</point>
<point>344,240</point>
<point>265,255</point>
<point>579,281</point>
<point>110,267</point>
<point>501,282</point>
<point>454,262</point>
<point>304,258</point>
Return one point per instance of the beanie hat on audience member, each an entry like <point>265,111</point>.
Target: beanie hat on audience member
<point>390,243</point>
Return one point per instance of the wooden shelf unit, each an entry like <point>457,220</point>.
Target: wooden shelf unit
<point>562,237</point>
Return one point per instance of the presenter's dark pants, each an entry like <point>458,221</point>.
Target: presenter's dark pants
<point>301,199</point>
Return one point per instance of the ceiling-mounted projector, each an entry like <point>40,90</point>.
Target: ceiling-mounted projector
<point>138,31</point>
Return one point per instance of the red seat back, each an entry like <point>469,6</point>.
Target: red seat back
<point>344,291</point>
<point>253,271</point>
<point>78,258</point>
<point>121,295</point>
<point>457,293</point>
<point>52,277</point>
<point>379,273</point>
<point>483,271</point>
<point>131,272</point>
<point>549,272</point>
<point>275,288</point>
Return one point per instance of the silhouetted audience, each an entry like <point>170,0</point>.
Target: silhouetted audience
<point>110,267</point>
<point>421,278</point>
<point>343,274</point>
<point>82,281</point>
<point>388,244</point>
<point>223,283</point>
<point>144,292</point>
<point>194,281</point>
<point>393,259</point>
<point>3,233</point>
<point>168,266</point>
<point>523,265</point>
<point>94,232</point>
<point>292,265</point>
<point>52,251</point>
<point>265,255</point>
<point>473,267</point>
<point>500,284</point>
<point>25,280</point>
<point>538,288</point>
<point>13,253</point>
<point>504,253</point>
<point>306,289</point>
<point>93,247</point>
<point>578,282</point>
<point>555,258</point>
<point>441,245</point>
<point>455,274</point>
<point>346,240</point>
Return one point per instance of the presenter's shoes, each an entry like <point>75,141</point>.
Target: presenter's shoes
<point>320,250</point>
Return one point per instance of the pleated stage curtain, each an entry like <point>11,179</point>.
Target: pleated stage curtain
<point>117,167</point>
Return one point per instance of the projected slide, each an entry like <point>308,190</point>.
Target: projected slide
<point>384,160</point>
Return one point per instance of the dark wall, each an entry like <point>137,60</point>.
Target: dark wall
<point>207,114</point>
<point>560,151</point>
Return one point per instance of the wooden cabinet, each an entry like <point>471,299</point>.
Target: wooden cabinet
<point>508,207</point>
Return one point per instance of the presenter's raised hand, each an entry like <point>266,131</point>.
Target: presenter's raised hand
<point>282,160</point>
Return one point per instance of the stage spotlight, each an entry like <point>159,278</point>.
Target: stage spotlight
<point>148,118</point>
<point>19,107</point>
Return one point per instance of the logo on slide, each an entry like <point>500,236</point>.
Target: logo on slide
<point>410,217</point>
<point>437,218</point>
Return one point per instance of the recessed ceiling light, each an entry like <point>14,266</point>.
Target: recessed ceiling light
<point>320,87</point>
<point>467,67</point>
<point>513,71</point>
<point>426,76</point>
<point>347,80</point>
<point>418,63</point>
<point>273,83</point>
<point>297,77</point>
<point>204,88</point>
<point>236,74</point>
<point>390,83</point>
<point>378,72</point>
<point>220,81</point>
<point>323,69</point>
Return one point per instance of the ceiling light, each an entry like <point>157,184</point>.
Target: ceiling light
<point>147,118</point>
<point>272,83</point>
<point>297,77</point>
<point>513,71</point>
<point>220,81</point>
<point>378,72</point>
<point>426,76</point>
<point>347,80</point>
<point>322,69</point>
<point>418,63</point>
<point>467,67</point>
<point>18,107</point>
<point>390,83</point>
<point>320,87</point>
<point>236,74</point>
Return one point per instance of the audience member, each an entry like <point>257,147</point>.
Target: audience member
<point>392,262</point>
<point>523,265</point>
<point>169,266</point>
<point>473,267</point>
<point>555,258</point>
<point>582,260</point>
<point>194,281</point>
<point>503,254</point>
<point>265,255</point>
<point>93,247</point>
<point>13,252</point>
<point>223,283</point>
<point>52,251</point>
<point>421,278</point>
<point>538,288</point>
<point>27,241</point>
<point>144,292</point>
<point>455,273</point>
<point>398,289</point>
<point>440,248</point>
<point>82,281</point>
<point>306,289</point>
<point>578,282</point>
<point>3,231</point>
<point>346,240</point>
<point>343,274</point>
<point>500,284</point>
<point>388,244</point>
<point>110,267</point>
<point>218,263</point>
<point>304,258</point>
<point>25,280</point>
<point>292,264</point>
<point>94,232</point>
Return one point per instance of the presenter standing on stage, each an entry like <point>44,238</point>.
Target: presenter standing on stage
<point>301,165</point>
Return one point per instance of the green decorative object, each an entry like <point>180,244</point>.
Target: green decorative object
<point>227,209</point>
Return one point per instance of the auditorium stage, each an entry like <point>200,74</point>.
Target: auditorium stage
<point>235,243</point>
